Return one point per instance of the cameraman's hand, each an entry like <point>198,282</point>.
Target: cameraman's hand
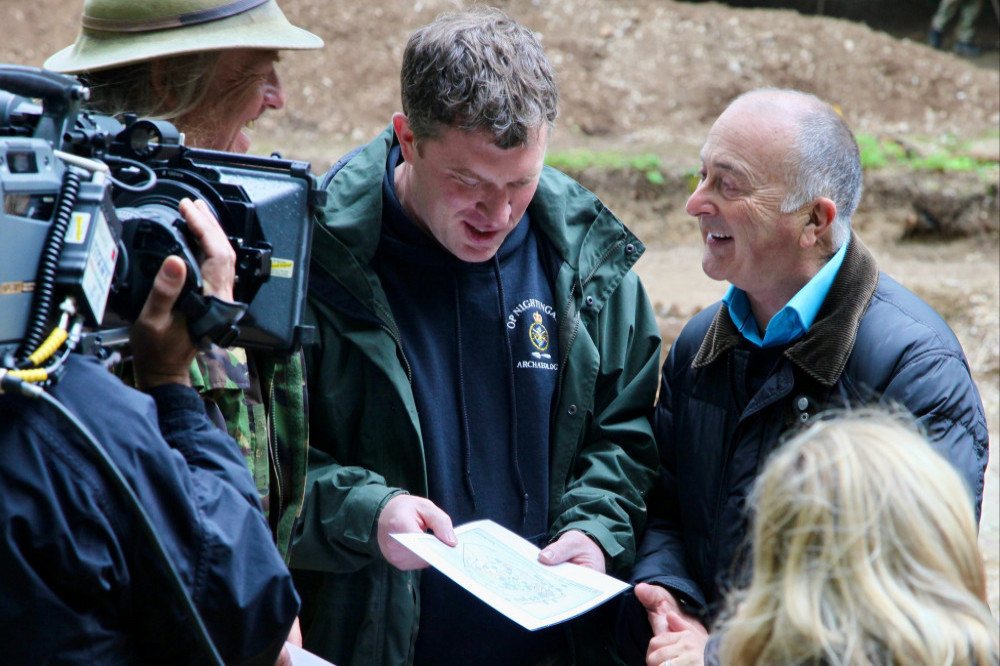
<point>160,342</point>
<point>218,269</point>
<point>162,348</point>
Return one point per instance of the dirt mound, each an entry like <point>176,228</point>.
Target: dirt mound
<point>651,73</point>
<point>639,74</point>
<point>648,74</point>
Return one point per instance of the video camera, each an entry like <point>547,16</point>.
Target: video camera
<point>90,211</point>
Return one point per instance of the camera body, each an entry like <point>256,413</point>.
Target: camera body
<point>30,183</point>
<point>90,211</point>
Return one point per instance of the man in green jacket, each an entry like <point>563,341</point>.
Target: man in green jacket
<point>485,351</point>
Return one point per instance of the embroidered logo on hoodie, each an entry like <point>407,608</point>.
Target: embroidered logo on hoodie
<point>537,355</point>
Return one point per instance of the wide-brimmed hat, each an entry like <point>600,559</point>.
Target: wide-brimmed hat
<point>120,32</point>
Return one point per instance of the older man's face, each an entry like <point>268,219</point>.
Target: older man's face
<point>244,86</point>
<point>748,240</point>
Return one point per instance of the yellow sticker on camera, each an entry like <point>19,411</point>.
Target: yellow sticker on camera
<point>283,268</point>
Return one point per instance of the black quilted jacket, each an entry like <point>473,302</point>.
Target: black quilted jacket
<point>873,342</point>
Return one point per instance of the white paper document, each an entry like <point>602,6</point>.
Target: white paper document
<point>503,570</point>
<point>302,657</point>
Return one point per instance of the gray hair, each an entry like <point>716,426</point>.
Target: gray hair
<point>478,71</point>
<point>825,162</point>
<point>130,88</point>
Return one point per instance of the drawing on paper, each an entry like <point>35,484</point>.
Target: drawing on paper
<point>503,572</point>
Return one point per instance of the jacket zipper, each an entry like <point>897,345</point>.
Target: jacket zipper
<point>394,334</point>
<point>564,353</point>
<point>600,262</point>
<point>272,451</point>
<point>576,327</point>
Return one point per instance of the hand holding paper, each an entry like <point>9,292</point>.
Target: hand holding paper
<point>503,570</point>
<point>410,514</point>
<point>574,547</point>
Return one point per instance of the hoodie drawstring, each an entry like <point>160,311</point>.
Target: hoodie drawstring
<point>513,396</point>
<point>463,409</point>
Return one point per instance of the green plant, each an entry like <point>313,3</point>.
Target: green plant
<point>877,152</point>
<point>578,160</point>
<point>881,151</point>
<point>945,162</point>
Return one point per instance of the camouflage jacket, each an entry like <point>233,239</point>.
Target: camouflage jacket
<point>260,400</point>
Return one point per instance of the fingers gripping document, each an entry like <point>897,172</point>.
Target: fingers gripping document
<point>503,570</point>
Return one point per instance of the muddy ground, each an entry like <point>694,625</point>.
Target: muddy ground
<point>649,77</point>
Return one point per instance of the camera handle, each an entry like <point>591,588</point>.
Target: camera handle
<point>61,96</point>
<point>211,319</point>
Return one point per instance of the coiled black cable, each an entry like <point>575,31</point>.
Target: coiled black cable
<point>45,279</point>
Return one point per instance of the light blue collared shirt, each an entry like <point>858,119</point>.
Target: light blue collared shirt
<point>792,321</point>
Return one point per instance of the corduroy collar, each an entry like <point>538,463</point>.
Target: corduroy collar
<point>823,351</point>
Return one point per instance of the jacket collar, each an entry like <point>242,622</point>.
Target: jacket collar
<point>823,351</point>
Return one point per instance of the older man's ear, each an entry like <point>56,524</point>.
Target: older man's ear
<point>818,228</point>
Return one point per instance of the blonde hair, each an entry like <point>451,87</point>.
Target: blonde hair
<point>182,89</point>
<point>865,553</point>
<point>132,89</point>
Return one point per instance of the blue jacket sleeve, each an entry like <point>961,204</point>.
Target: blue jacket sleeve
<point>82,582</point>
<point>660,558</point>
<point>937,388</point>
<point>914,360</point>
<point>243,588</point>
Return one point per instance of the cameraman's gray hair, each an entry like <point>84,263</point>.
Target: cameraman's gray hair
<point>478,71</point>
<point>825,162</point>
<point>130,88</point>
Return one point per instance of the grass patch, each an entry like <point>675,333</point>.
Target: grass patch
<point>578,160</point>
<point>950,155</point>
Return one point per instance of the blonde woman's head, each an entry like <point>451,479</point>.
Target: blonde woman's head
<point>865,552</point>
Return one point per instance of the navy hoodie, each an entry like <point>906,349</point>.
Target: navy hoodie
<point>480,339</point>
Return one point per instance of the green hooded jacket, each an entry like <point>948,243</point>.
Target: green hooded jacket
<point>366,440</point>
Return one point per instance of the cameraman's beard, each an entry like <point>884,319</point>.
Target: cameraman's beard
<point>216,128</point>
